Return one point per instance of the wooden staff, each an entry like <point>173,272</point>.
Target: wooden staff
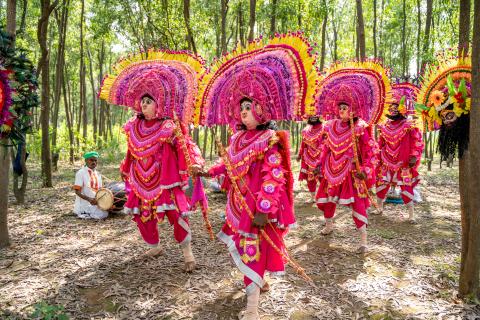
<point>357,161</point>
<point>180,136</point>
<point>244,205</point>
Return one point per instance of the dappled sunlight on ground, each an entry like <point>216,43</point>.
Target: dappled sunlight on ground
<point>95,268</point>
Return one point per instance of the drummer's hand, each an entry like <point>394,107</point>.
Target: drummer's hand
<point>93,201</point>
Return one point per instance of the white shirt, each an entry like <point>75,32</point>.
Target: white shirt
<point>88,181</point>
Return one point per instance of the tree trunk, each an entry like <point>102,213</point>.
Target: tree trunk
<point>375,28</point>
<point>186,16</point>
<point>360,30</point>
<point>205,142</point>
<point>223,15</point>
<point>62,29</point>
<point>12,18</point>
<point>42,33</point>
<point>4,169</point>
<point>4,149</point>
<point>419,35</point>
<point>470,202</point>
<point>101,60</point>
<point>241,25</point>
<point>404,40</point>
<point>273,17</point>
<point>335,40</point>
<point>324,32</point>
<point>380,36</point>
<point>68,116</point>
<point>83,84</point>
<point>464,27</point>
<point>94,96</point>
<point>428,23</point>
<point>253,5</point>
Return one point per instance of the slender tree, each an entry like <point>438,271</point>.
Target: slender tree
<point>273,17</point>
<point>253,5</point>
<point>44,67</point>
<point>186,17</point>
<point>470,162</point>
<point>360,30</point>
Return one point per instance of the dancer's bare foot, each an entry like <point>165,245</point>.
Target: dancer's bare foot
<point>154,252</point>
<point>190,266</point>
<point>249,315</point>
<point>361,250</point>
<point>327,230</point>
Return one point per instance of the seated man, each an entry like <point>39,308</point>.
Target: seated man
<point>87,182</point>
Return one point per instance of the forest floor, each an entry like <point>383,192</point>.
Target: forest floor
<point>94,269</point>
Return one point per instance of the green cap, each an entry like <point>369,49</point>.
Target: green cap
<point>91,154</point>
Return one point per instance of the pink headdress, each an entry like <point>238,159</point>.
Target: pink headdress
<point>170,78</point>
<point>404,94</point>
<point>363,86</point>
<point>278,76</point>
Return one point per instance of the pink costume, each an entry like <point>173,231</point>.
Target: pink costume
<point>363,88</point>
<point>310,149</point>
<point>280,84</point>
<point>160,151</point>
<point>399,140</point>
<point>257,161</point>
<point>339,183</point>
<point>157,174</point>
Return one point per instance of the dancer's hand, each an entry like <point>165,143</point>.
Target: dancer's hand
<point>93,201</point>
<point>299,157</point>
<point>260,220</point>
<point>412,161</point>
<point>317,170</point>
<point>195,169</point>
<point>361,175</point>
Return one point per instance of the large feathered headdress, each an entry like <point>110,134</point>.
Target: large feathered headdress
<point>278,75</point>
<point>171,78</point>
<point>364,86</point>
<point>446,86</point>
<point>404,94</point>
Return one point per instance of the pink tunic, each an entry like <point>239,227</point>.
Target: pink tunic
<point>156,168</point>
<point>339,185</point>
<point>261,161</point>
<point>310,150</point>
<point>398,141</point>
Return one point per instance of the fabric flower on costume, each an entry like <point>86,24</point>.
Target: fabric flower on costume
<point>274,159</point>
<point>437,98</point>
<point>266,204</point>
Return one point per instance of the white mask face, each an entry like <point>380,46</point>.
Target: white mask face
<point>248,119</point>
<point>149,107</point>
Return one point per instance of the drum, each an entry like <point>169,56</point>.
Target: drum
<point>104,199</point>
<point>112,198</point>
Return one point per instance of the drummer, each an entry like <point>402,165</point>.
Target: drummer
<point>87,182</point>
